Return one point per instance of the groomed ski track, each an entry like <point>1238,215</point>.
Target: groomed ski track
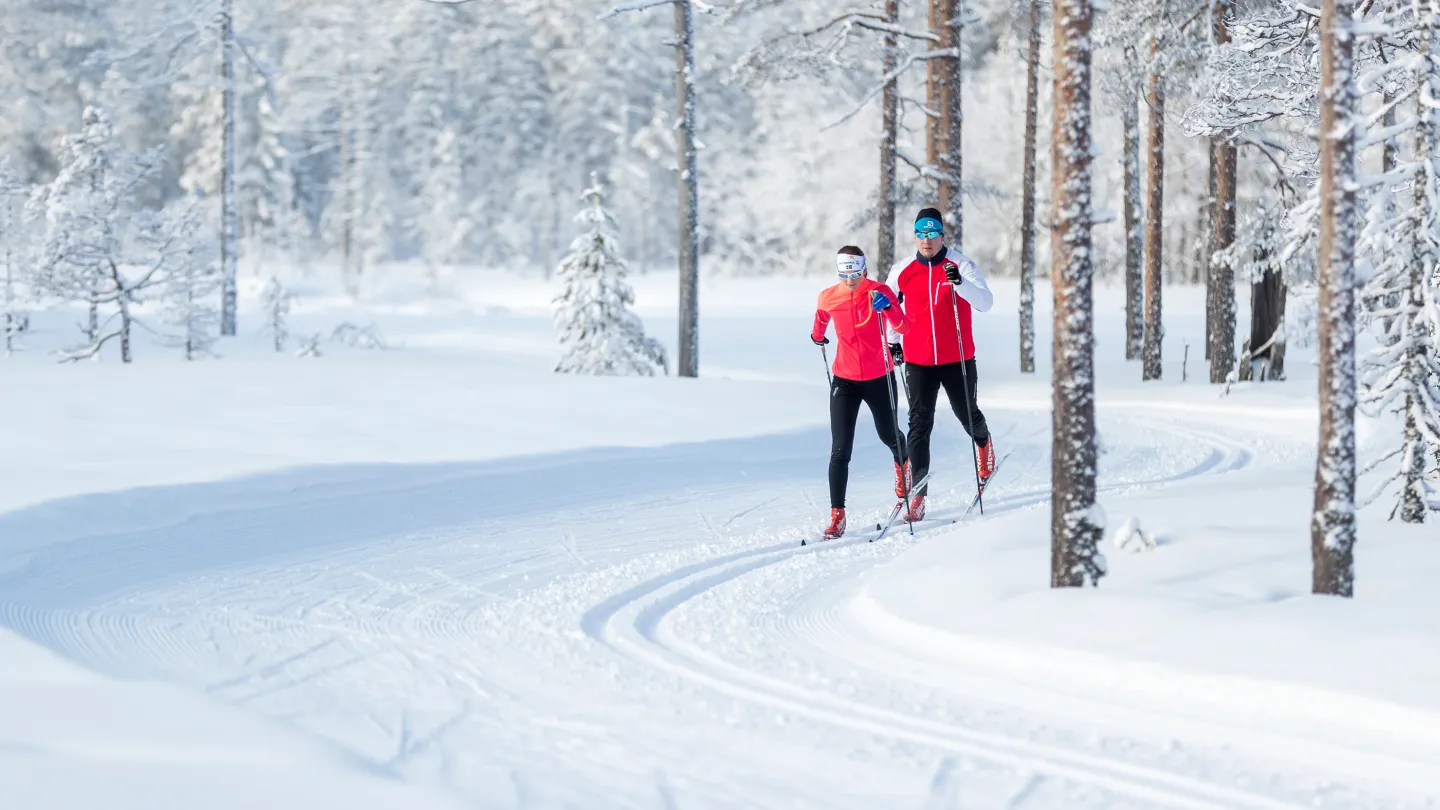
<point>642,629</point>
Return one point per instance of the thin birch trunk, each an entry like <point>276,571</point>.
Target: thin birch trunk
<point>1027,205</point>
<point>1154,219</point>
<point>1332,528</point>
<point>688,364</point>
<point>1075,518</point>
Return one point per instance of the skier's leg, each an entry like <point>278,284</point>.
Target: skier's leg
<point>845,397</point>
<point>879,401</point>
<point>961,387</point>
<point>922,384</point>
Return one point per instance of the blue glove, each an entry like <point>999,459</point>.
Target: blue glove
<point>879,301</point>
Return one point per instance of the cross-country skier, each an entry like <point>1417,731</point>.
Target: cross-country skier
<point>939,347</point>
<point>855,307</point>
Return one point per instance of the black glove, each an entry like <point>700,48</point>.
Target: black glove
<point>896,353</point>
<point>952,273</point>
<point>821,342</point>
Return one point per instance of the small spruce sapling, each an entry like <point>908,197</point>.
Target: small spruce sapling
<point>275,304</point>
<point>599,333</point>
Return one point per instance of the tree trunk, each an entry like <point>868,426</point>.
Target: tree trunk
<point>943,128</point>
<point>1267,319</point>
<point>1332,528</point>
<point>1207,235</point>
<point>347,181</point>
<point>1220,303</point>
<point>688,246</point>
<point>889,125</point>
<point>1075,521</point>
<point>1220,311</point>
<point>1027,205</point>
<point>1154,221</point>
<point>229,216</point>
<point>1134,233</point>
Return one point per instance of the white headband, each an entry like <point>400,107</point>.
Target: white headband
<point>845,263</point>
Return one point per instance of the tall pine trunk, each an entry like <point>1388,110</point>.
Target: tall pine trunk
<point>1075,522</point>
<point>889,125</point>
<point>943,127</point>
<point>1332,527</point>
<point>229,214</point>
<point>1207,235</point>
<point>1027,205</point>
<point>1220,306</point>
<point>1154,218</point>
<point>689,238</point>
<point>1134,233</point>
<point>1220,310</point>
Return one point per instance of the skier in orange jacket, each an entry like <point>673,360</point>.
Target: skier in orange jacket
<point>856,307</point>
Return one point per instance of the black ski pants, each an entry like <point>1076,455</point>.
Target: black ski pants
<point>922,387</point>
<point>845,398</point>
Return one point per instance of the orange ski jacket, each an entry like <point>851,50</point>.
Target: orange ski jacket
<point>860,352</point>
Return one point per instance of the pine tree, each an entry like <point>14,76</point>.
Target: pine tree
<point>599,333</point>
<point>191,282</point>
<point>1403,245</point>
<point>1027,205</point>
<point>1332,528</point>
<point>275,305</point>
<point>1076,521</point>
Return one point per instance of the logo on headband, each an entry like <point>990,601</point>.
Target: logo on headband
<point>929,224</point>
<point>850,266</point>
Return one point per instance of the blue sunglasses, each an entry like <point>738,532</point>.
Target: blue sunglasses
<point>929,234</point>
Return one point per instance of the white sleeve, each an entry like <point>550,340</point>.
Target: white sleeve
<point>973,287</point>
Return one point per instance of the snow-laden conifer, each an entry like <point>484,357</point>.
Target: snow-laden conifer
<point>275,308</point>
<point>599,333</point>
<point>1401,241</point>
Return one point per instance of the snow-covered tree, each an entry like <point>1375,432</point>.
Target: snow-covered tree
<point>1332,528</point>
<point>11,222</point>
<point>1027,205</point>
<point>599,333</point>
<point>1401,241</point>
<point>1076,521</point>
<point>99,246</point>
<point>275,305</point>
<point>191,280</point>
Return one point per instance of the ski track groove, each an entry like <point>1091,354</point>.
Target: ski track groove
<point>635,623</point>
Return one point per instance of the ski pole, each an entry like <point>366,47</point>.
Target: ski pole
<point>969,400</point>
<point>895,417</point>
<point>825,356</point>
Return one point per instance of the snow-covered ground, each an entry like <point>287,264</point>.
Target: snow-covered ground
<point>443,576</point>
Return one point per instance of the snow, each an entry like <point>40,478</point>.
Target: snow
<point>442,575</point>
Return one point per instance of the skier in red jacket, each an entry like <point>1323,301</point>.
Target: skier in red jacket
<point>939,290</point>
<point>855,307</point>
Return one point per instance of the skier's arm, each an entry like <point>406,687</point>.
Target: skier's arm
<point>893,314</point>
<point>971,285</point>
<point>817,331</point>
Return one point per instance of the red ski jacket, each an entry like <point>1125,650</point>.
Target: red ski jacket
<point>860,352</point>
<point>930,308</point>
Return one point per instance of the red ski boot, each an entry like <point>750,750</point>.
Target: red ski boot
<point>917,510</point>
<point>902,480</point>
<point>985,460</point>
<point>837,524</point>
